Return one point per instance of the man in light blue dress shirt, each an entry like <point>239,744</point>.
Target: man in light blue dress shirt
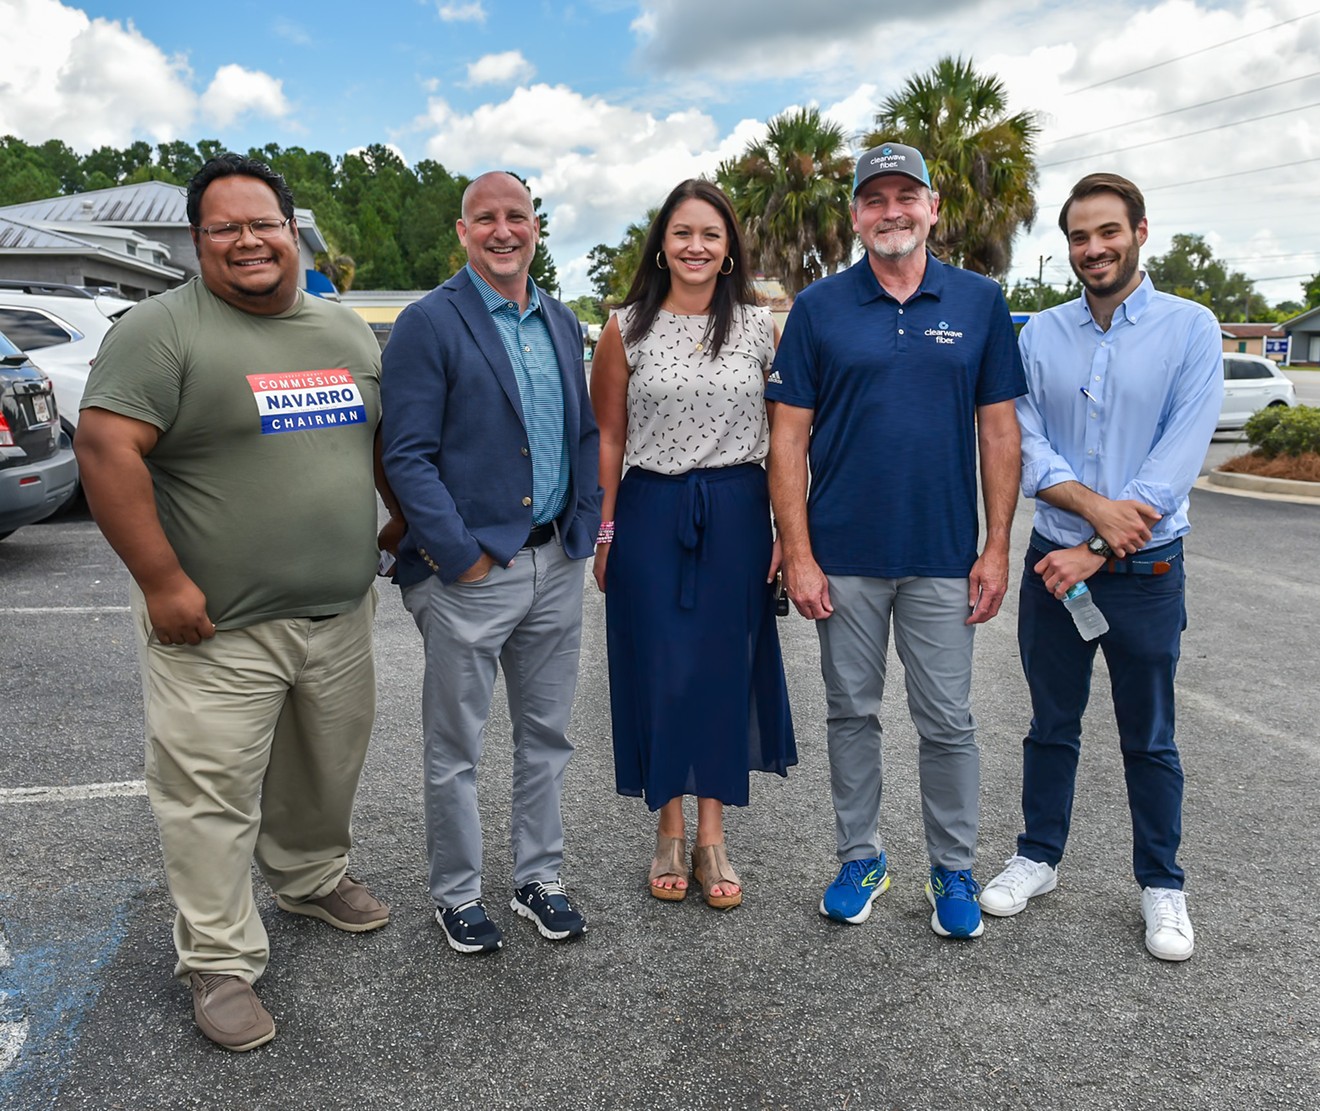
<point>1125,385</point>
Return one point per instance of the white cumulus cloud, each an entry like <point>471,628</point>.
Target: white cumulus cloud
<point>500,69</point>
<point>87,81</point>
<point>236,92</point>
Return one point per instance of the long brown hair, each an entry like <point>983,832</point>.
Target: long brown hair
<point>650,285</point>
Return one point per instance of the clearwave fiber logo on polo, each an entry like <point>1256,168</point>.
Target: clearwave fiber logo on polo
<point>944,334</point>
<point>303,400</point>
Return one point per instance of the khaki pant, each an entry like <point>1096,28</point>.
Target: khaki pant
<point>255,742</point>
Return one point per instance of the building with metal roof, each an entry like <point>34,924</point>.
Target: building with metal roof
<point>133,238</point>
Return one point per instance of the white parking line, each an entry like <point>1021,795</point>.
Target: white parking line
<point>12,1037</point>
<point>12,1034</point>
<point>64,609</point>
<point>124,789</point>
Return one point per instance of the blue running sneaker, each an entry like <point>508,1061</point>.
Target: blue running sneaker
<point>954,897</point>
<point>849,897</point>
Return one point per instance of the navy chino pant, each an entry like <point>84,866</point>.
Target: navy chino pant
<point>1146,614</point>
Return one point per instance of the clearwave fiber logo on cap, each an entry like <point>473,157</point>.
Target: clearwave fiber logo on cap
<point>891,158</point>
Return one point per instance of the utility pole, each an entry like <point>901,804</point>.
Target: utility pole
<point>1040,281</point>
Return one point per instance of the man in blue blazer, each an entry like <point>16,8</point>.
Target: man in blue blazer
<point>490,448</point>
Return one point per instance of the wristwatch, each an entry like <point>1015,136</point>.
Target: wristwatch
<point>1097,546</point>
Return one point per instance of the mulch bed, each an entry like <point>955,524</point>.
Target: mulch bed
<point>1304,468</point>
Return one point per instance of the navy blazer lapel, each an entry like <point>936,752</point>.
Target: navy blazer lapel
<point>476,316</point>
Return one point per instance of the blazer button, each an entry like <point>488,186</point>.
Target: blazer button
<point>526,452</point>
<point>527,501</point>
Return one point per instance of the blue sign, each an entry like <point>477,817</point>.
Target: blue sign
<point>1277,346</point>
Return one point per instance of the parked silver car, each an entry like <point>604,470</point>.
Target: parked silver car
<point>1251,383</point>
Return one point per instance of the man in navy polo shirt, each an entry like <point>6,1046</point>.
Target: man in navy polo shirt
<point>889,378</point>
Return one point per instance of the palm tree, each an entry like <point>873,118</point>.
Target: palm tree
<point>791,192</point>
<point>981,160</point>
<point>339,268</point>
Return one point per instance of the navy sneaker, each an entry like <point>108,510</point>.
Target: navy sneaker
<point>957,908</point>
<point>849,897</point>
<point>547,905</point>
<point>468,930</point>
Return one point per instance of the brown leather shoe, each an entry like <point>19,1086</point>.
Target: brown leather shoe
<point>350,906</point>
<point>228,1011</point>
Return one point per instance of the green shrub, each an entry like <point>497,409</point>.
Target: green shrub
<point>1281,431</point>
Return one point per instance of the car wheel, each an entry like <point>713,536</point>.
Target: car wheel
<point>1277,405</point>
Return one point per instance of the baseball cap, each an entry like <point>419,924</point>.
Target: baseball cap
<point>891,158</point>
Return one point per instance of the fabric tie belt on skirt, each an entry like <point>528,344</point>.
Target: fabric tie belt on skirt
<point>694,516</point>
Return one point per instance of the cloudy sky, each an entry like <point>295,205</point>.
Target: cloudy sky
<point>1213,108</point>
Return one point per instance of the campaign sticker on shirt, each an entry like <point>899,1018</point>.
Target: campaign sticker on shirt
<point>303,400</point>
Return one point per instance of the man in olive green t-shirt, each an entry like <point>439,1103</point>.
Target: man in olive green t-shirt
<point>226,447</point>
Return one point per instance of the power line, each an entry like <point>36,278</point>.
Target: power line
<point>1237,173</point>
<point>1193,54</point>
<point>1188,108</point>
<point>1172,138</point>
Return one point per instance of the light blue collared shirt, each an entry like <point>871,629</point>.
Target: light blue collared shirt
<point>526,339</point>
<point>1128,413</point>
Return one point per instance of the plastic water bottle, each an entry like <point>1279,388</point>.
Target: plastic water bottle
<point>1086,614</point>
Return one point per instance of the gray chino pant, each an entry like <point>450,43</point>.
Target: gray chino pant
<point>935,646</point>
<point>527,619</point>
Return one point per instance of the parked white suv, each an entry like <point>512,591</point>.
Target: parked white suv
<point>61,328</point>
<point>1251,383</point>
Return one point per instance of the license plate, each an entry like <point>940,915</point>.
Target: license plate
<point>42,408</point>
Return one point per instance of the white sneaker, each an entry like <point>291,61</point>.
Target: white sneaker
<point>1008,892</point>
<point>1169,934</point>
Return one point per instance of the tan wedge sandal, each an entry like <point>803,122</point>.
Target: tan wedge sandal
<point>711,867</point>
<point>668,861</point>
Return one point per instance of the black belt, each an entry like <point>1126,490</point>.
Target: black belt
<point>540,534</point>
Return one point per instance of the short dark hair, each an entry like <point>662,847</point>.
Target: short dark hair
<point>1092,184</point>
<point>650,285</point>
<point>229,165</point>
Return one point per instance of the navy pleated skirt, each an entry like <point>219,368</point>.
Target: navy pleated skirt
<point>697,691</point>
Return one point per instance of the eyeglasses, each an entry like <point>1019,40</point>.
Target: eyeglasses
<point>229,233</point>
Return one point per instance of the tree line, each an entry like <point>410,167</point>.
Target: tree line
<point>388,225</point>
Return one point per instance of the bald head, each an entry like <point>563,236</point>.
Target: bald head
<point>500,231</point>
<point>496,177</point>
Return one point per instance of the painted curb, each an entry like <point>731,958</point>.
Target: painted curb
<point>1207,484</point>
<point>1259,484</point>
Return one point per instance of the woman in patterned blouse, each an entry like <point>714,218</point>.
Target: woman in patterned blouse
<point>685,557</point>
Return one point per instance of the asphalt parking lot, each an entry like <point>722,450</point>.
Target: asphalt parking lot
<point>674,1005</point>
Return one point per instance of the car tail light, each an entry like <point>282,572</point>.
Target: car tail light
<point>6,436</point>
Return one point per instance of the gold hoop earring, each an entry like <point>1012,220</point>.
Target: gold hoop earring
<point>659,260</point>
<point>729,260</point>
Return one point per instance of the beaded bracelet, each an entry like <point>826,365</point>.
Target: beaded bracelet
<point>606,534</point>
